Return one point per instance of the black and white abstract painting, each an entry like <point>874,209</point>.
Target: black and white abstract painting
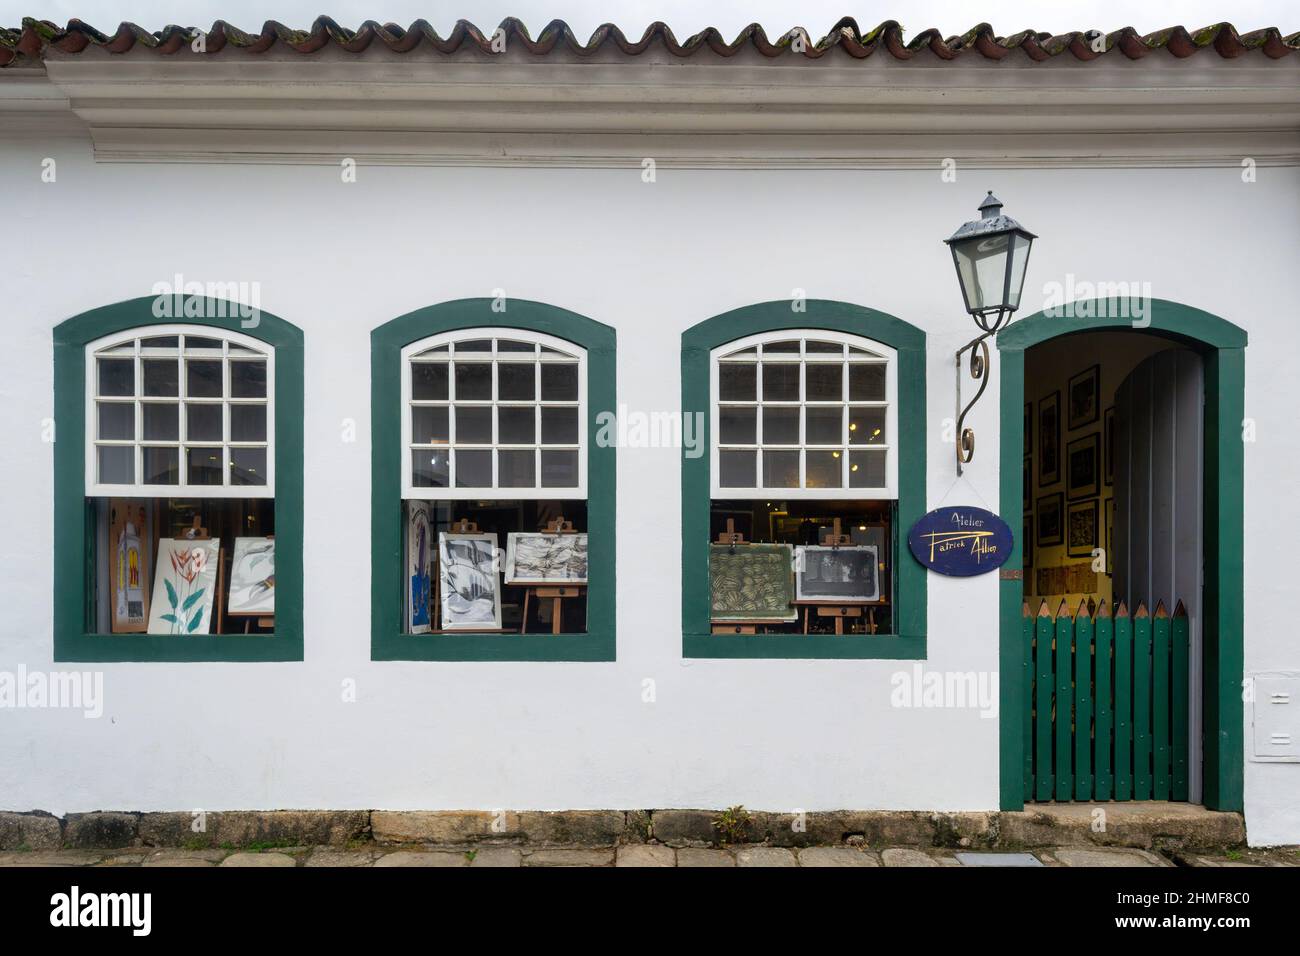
<point>544,558</point>
<point>837,574</point>
<point>468,582</point>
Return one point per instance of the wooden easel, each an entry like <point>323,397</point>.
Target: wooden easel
<point>733,539</point>
<point>557,594</point>
<point>850,610</point>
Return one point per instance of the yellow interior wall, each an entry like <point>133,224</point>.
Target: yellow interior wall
<point>1049,368</point>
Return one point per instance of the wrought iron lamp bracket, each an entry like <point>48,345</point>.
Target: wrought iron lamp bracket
<point>979,371</point>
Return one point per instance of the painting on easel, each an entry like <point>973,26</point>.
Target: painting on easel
<point>468,582</point>
<point>837,574</point>
<point>252,577</point>
<point>128,541</point>
<point>539,557</point>
<point>419,548</point>
<point>751,582</point>
<point>184,586</point>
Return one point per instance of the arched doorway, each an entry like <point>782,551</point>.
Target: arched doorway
<point>1221,347</point>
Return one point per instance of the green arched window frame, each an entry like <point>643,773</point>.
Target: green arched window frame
<point>387,642</point>
<point>698,342</point>
<point>74,558</point>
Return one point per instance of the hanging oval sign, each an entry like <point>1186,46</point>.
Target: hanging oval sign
<point>961,541</point>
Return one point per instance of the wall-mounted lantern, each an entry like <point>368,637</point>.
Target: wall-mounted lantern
<point>991,255</point>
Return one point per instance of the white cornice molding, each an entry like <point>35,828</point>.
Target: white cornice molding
<point>702,112</point>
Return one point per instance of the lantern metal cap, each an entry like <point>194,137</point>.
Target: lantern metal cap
<point>991,221</point>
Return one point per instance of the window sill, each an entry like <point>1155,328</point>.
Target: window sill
<point>470,646</point>
<point>166,648</point>
<point>804,647</point>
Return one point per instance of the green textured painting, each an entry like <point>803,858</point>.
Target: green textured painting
<point>751,582</point>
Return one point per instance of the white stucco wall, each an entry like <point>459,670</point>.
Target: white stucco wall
<point>650,260</point>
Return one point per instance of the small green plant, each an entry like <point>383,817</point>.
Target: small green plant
<point>732,825</point>
<point>1233,854</point>
<point>470,854</point>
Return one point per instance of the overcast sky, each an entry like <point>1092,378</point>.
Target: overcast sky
<point>684,16</point>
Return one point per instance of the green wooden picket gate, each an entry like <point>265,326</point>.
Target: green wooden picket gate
<point>1107,713</point>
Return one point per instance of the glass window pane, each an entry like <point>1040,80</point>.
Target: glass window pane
<point>824,426</point>
<point>474,345</point>
<point>824,383</point>
<point>559,426</point>
<point>559,469</point>
<point>442,349</point>
<point>162,377</point>
<point>737,469</point>
<point>429,381</point>
<point>429,425</point>
<point>429,468</point>
<point>473,469</point>
<point>867,383</point>
<point>867,469</point>
<point>116,376</point>
<point>161,342</point>
<point>560,383</point>
<point>867,426</point>
<point>474,381</point>
<point>248,422</point>
<point>738,383</point>
<point>162,466</point>
<point>117,420</point>
<point>203,379</point>
<point>737,426</point>
<point>823,348</point>
<point>248,380</point>
<point>516,426</point>
<point>117,465</point>
<point>473,425</point>
<point>203,422</point>
<point>204,466</point>
<point>780,469</point>
<point>248,466</point>
<point>516,382</point>
<point>825,469</point>
<point>201,342</point>
<point>780,426</point>
<point>509,345</point>
<point>780,382</point>
<point>162,422</point>
<point>791,345</point>
<point>515,469</point>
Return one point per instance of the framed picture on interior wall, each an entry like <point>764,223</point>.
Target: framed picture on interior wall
<point>1108,444</point>
<point>1027,545</point>
<point>751,582</point>
<point>252,577</point>
<point>128,542</point>
<point>184,586</point>
<point>1029,429</point>
<point>539,557</point>
<point>468,581</point>
<point>1109,509</point>
<point>1048,513</point>
<point>419,569</point>
<point>1027,482</point>
<point>1083,467</point>
<point>837,574</point>
<point>1082,529</point>
<point>1049,439</point>
<point>1085,397</point>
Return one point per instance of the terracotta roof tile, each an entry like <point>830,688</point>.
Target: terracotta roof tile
<point>30,43</point>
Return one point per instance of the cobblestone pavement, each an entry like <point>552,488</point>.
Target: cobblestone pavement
<point>643,855</point>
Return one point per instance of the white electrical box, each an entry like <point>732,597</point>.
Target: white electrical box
<point>1276,716</point>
